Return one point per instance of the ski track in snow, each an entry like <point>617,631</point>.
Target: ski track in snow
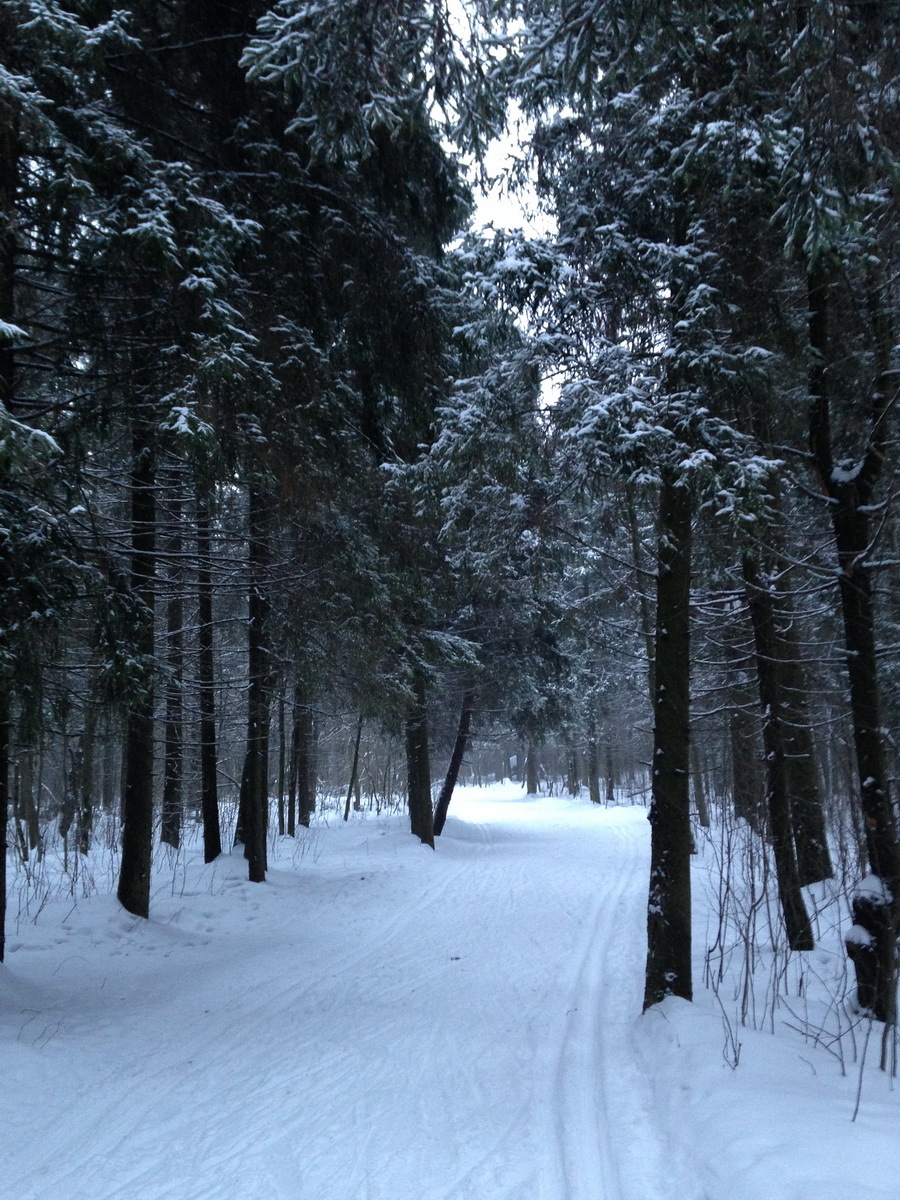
<point>336,1033</point>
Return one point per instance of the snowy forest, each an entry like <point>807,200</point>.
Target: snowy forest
<point>326,503</point>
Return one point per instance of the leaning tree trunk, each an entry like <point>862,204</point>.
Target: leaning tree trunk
<point>871,943</point>
<point>762,617</point>
<point>137,798</point>
<point>206,688</point>
<point>459,750</point>
<point>421,818</point>
<point>669,906</point>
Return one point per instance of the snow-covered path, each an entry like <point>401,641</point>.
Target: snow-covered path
<point>381,1022</point>
<point>378,1022</point>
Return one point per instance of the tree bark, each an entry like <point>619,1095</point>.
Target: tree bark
<point>807,811</point>
<point>9,172</point>
<point>255,782</point>
<point>170,819</point>
<point>86,793</point>
<point>762,616</point>
<point>532,770</point>
<point>301,798</point>
<point>456,758</point>
<point>669,905</point>
<point>699,788</point>
<point>5,729</point>
<point>282,754</point>
<point>421,817</point>
<point>593,765</point>
<point>209,796</point>
<point>137,800</point>
<point>354,769</point>
<point>850,489</point>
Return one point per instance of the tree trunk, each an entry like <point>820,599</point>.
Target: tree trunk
<point>255,783</point>
<point>762,616</point>
<point>572,772</point>
<point>9,173</point>
<point>302,781</point>
<point>669,906</point>
<point>85,812</point>
<point>699,788</point>
<point>170,820</point>
<point>644,603</point>
<point>209,796</point>
<point>137,799</point>
<point>421,817</point>
<point>593,765</point>
<point>532,770</point>
<point>5,729</point>
<point>807,811</point>
<point>851,492</point>
<point>746,783</point>
<point>281,763</point>
<point>611,772</point>
<point>456,758</point>
<point>30,804</point>
<point>354,769</point>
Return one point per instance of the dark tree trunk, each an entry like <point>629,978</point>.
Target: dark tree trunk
<point>532,770</point>
<point>699,788</point>
<point>170,819</point>
<point>354,769</point>
<point>5,728</point>
<point>456,758</point>
<point>9,180</point>
<point>572,772</point>
<point>807,811</point>
<point>137,799</point>
<point>669,906</point>
<point>644,604</point>
<point>209,795</point>
<point>282,753</point>
<point>746,782</point>
<point>255,782</point>
<point>87,783</point>
<point>421,818</point>
<point>71,787</point>
<point>851,493</point>
<point>593,765</point>
<point>294,763</point>
<point>762,617</point>
<point>30,804</point>
<point>9,172</point>
<point>304,733</point>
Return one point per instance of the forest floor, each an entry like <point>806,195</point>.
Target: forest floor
<point>381,1022</point>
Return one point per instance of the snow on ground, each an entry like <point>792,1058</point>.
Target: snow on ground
<point>381,1022</point>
